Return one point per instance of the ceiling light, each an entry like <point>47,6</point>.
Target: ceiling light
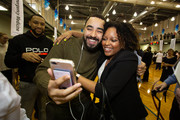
<point>107,20</point>
<point>3,8</point>
<point>70,16</point>
<point>145,28</point>
<point>156,25</point>
<point>139,85</point>
<point>135,14</point>
<point>114,12</point>
<point>124,21</point>
<point>173,18</point>
<point>140,23</point>
<point>164,0</point>
<point>177,6</point>
<point>107,14</point>
<point>67,7</point>
<point>152,2</point>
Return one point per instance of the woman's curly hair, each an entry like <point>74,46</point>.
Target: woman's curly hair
<point>127,35</point>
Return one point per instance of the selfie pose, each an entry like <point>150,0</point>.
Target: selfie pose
<point>119,43</point>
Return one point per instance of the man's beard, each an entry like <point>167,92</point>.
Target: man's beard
<point>37,34</point>
<point>92,49</point>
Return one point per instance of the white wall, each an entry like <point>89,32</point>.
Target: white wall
<point>5,25</point>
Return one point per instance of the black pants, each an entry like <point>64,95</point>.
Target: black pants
<point>8,75</point>
<point>158,66</point>
<point>175,111</point>
<point>146,74</point>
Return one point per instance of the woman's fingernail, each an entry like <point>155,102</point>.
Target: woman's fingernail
<point>65,40</point>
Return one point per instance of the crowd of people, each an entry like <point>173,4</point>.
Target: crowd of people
<point>104,49</point>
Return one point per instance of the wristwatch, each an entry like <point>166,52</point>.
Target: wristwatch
<point>77,76</point>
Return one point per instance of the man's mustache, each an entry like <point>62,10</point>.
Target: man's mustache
<point>94,38</point>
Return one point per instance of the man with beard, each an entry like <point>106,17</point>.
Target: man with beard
<point>26,52</point>
<point>84,52</point>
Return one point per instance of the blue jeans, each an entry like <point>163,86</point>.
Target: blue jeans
<point>28,92</point>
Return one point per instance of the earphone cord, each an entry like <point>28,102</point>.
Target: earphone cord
<point>80,57</point>
<point>80,93</point>
<point>82,107</point>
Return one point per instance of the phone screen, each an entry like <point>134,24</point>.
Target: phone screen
<point>61,72</point>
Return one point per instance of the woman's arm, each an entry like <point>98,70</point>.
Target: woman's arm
<point>168,65</point>
<point>87,84</point>
<point>65,36</point>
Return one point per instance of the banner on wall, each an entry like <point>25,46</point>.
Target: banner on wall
<point>173,43</point>
<point>161,45</point>
<point>64,27</point>
<point>176,28</point>
<point>56,14</point>
<point>46,4</point>
<point>163,31</point>
<point>55,33</point>
<point>61,22</point>
<point>152,33</point>
<point>17,17</point>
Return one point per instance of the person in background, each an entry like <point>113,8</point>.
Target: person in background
<point>7,72</point>
<point>119,43</point>
<point>26,52</point>
<point>167,64</point>
<point>172,79</point>
<point>178,96</point>
<point>147,58</point>
<point>10,107</point>
<point>177,54</point>
<point>154,57</point>
<point>159,58</point>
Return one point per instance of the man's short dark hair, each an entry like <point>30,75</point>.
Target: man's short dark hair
<point>95,15</point>
<point>35,15</point>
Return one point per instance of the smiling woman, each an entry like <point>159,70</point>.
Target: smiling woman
<point>119,43</point>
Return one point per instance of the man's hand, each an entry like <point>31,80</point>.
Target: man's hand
<point>60,96</point>
<point>65,36</point>
<point>160,87</point>
<point>178,96</point>
<point>141,68</point>
<point>32,57</point>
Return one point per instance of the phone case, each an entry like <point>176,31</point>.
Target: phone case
<point>63,67</point>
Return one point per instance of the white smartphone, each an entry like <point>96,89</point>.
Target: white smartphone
<point>61,67</point>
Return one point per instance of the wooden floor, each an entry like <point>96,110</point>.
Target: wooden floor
<point>145,88</point>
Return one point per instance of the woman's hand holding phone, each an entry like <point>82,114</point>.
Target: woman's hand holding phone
<point>60,96</point>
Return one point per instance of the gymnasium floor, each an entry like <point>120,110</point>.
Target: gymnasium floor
<point>145,93</point>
